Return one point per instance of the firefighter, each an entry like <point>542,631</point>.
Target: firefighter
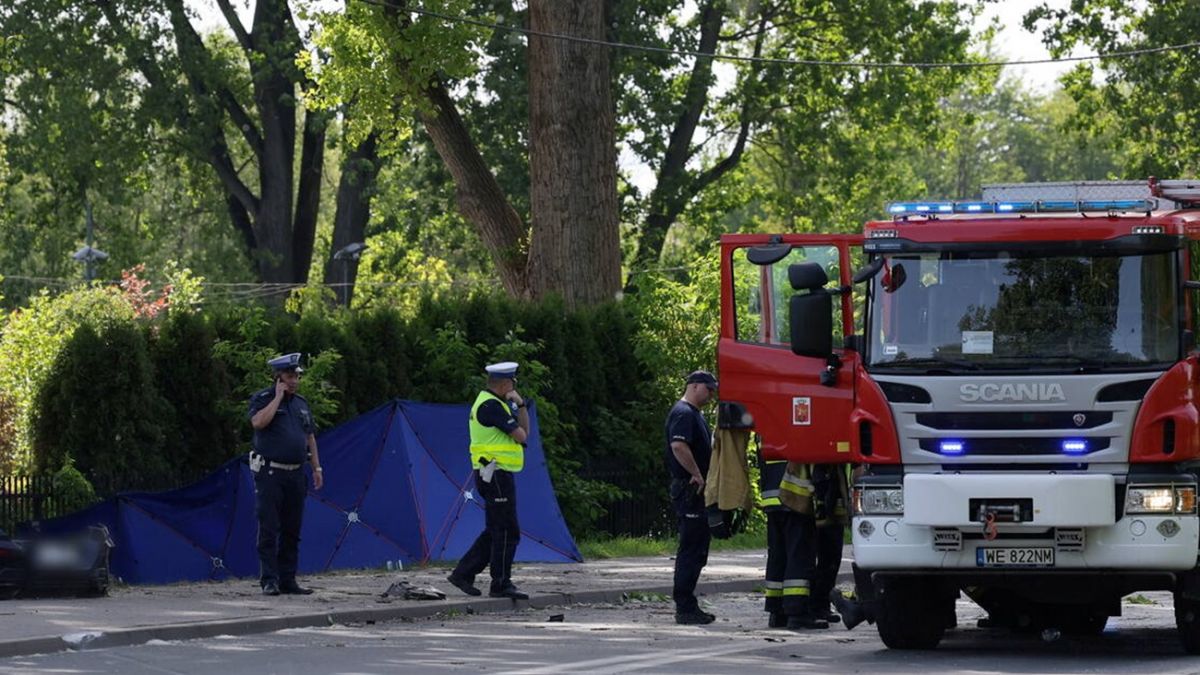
<point>830,486</point>
<point>787,497</point>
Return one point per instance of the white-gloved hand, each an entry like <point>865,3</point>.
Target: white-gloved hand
<point>486,472</point>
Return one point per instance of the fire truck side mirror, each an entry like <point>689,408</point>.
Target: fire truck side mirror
<point>812,323</point>
<point>872,268</point>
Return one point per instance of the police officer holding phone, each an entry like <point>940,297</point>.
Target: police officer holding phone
<point>284,438</point>
<point>688,453</point>
<point>498,426</point>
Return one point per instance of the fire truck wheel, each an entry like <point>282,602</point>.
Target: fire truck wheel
<point>1187,623</point>
<point>911,614</point>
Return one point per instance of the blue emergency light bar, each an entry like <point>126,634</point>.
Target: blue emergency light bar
<point>1042,206</point>
<point>1075,446</point>
<point>951,447</point>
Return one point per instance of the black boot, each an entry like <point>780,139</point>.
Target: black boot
<point>777,620</point>
<point>806,622</point>
<point>851,611</point>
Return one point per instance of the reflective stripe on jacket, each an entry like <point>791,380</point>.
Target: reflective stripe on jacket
<point>770,473</point>
<point>490,443</point>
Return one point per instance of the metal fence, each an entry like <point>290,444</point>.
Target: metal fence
<point>25,498</point>
<point>643,513</point>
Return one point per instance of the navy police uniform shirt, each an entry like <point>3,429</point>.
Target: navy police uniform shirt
<point>686,423</point>
<point>492,413</point>
<point>285,439</point>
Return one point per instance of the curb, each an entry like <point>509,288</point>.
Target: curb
<point>125,637</point>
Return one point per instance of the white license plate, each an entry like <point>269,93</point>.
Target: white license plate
<point>1023,556</point>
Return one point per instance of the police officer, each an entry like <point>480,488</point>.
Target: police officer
<point>688,453</point>
<point>499,426</point>
<point>786,494</point>
<point>284,437</point>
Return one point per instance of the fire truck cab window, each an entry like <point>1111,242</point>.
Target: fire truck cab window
<point>761,293</point>
<point>1003,311</point>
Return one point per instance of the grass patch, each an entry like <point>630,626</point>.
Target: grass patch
<point>1139,599</point>
<point>631,547</point>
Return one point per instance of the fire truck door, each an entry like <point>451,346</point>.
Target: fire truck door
<point>799,414</point>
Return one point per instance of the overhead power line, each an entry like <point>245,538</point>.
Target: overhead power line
<point>735,58</point>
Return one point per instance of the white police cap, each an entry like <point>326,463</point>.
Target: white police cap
<point>286,362</point>
<point>502,369</point>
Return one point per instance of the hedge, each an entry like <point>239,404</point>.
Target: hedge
<point>155,402</point>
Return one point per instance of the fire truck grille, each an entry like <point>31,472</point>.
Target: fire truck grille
<point>979,447</point>
<point>954,421</point>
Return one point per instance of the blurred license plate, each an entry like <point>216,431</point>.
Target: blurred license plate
<point>1023,556</point>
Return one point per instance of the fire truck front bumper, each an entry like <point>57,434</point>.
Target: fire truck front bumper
<point>958,522</point>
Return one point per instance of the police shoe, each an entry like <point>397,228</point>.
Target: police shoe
<point>294,589</point>
<point>696,618</point>
<point>806,622</point>
<point>270,588</point>
<point>463,585</point>
<point>509,592</point>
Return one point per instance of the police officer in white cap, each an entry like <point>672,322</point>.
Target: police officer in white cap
<point>499,425</point>
<point>284,438</point>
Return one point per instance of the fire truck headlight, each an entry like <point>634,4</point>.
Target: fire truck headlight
<point>1150,499</point>
<point>879,500</point>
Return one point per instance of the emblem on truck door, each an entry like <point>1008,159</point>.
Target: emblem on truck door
<point>1026,391</point>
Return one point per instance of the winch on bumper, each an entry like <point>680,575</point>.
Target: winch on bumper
<point>1043,521</point>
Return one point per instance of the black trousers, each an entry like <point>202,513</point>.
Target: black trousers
<point>694,536</point>
<point>791,562</point>
<point>279,507</point>
<point>830,533</point>
<point>497,544</point>
<point>830,539</point>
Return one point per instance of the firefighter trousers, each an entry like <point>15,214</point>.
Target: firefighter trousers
<point>830,538</point>
<point>791,562</point>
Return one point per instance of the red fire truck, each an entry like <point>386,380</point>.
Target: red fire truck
<point>1016,379</point>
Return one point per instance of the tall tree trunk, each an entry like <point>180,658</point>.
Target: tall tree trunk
<point>575,249</point>
<point>308,194</point>
<point>274,97</point>
<point>355,190</point>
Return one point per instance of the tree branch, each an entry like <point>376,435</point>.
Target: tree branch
<point>235,24</point>
<point>197,66</point>
<point>673,170</point>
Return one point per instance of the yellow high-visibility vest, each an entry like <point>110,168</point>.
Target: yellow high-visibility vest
<point>490,443</point>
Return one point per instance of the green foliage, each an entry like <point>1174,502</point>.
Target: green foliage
<point>72,488</point>
<point>380,58</point>
<point>31,345</point>
<point>198,433</point>
<point>1145,102</point>
<point>601,547</point>
<point>256,339</point>
<point>100,405</point>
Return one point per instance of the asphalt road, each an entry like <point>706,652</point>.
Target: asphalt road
<point>639,636</point>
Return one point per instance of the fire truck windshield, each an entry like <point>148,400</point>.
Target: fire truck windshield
<point>1003,310</point>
